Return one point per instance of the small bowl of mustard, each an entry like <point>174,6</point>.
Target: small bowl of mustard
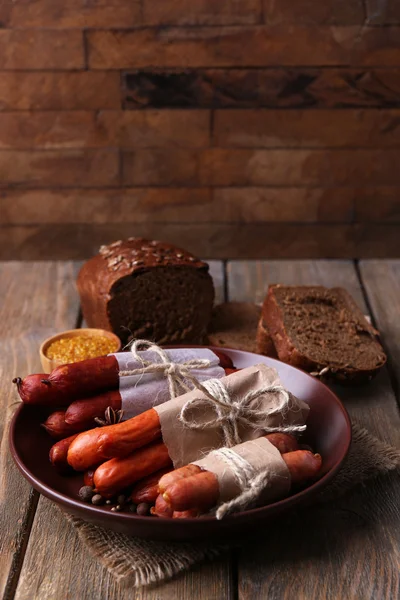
<point>76,345</point>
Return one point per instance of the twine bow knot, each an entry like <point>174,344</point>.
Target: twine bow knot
<point>230,414</point>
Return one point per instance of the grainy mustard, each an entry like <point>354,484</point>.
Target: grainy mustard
<point>74,349</point>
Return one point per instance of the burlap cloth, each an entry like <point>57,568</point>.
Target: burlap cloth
<point>141,562</point>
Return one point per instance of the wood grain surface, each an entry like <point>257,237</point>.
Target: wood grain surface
<point>381,280</point>
<point>348,549</point>
<point>37,300</point>
<point>57,566</point>
<point>345,550</point>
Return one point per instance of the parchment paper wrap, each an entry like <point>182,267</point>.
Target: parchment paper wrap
<point>141,392</point>
<point>187,445</point>
<point>262,456</point>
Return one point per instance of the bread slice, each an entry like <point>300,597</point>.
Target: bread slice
<point>147,289</point>
<point>265,344</point>
<point>316,327</point>
<point>234,325</point>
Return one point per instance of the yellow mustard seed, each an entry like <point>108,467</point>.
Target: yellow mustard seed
<point>74,349</point>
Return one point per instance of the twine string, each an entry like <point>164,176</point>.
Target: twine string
<point>176,373</point>
<point>250,482</point>
<point>230,414</point>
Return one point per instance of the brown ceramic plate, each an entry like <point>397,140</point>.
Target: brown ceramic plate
<point>328,432</point>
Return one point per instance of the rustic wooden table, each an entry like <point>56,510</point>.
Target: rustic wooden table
<point>349,550</point>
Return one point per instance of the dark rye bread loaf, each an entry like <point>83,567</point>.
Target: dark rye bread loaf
<point>316,327</point>
<point>234,325</point>
<point>147,289</point>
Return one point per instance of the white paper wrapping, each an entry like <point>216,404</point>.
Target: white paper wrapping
<point>141,392</point>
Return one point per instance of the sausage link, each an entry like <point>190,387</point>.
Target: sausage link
<point>146,490</point>
<point>284,442</point>
<point>302,465</point>
<point>89,408</point>
<point>186,514</point>
<point>58,455</point>
<point>176,475</point>
<point>68,382</point>
<point>58,429</point>
<point>114,441</point>
<point>224,360</point>
<point>119,473</point>
<point>161,508</point>
<point>88,477</point>
<point>198,491</point>
<point>202,490</point>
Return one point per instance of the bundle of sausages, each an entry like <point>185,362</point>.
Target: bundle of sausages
<point>191,491</point>
<point>84,390</point>
<point>131,456</point>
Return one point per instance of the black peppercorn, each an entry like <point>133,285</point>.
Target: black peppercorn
<point>97,500</point>
<point>86,493</point>
<point>143,509</point>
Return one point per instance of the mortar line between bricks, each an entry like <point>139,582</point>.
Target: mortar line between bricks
<point>201,224</point>
<point>201,149</point>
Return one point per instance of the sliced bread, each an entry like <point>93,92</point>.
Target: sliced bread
<point>234,325</point>
<point>265,345</point>
<point>314,328</point>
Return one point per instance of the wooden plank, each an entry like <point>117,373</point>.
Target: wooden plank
<point>37,300</point>
<point>348,549</point>
<point>381,279</point>
<point>210,240</point>
<point>57,564</point>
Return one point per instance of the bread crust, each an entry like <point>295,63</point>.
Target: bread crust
<point>265,344</point>
<point>287,352</point>
<point>100,276</point>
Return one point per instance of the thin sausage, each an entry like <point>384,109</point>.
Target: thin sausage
<point>58,455</point>
<point>58,429</point>
<point>77,380</point>
<point>202,490</point>
<point>198,491</point>
<point>302,464</point>
<point>114,441</point>
<point>284,442</point>
<point>119,473</point>
<point>89,408</point>
<point>146,490</point>
<point>161,508</point>
<point>186,514</point>
<point>68,382</point>
<point>176,475</point>
<point>224,360</point>
<point>88,477</point>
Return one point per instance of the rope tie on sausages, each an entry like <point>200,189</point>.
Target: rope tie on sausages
<point>250,482</point>
<point>230,413</point>
<point>177,374</point>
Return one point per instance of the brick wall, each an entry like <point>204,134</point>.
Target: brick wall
<point>237,128</point>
